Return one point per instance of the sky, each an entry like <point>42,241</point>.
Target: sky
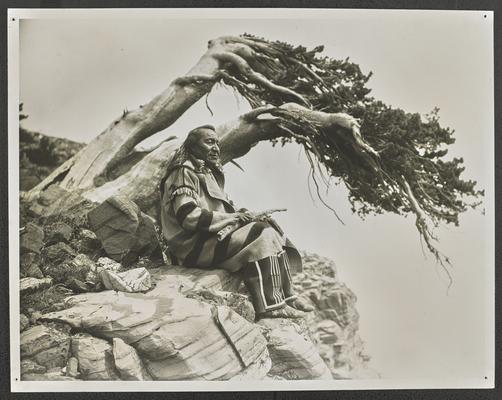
<point>76,75</point>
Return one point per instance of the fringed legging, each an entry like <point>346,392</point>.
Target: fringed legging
<point>269,282</point>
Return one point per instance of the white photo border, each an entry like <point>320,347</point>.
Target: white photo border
<point>14,16</point>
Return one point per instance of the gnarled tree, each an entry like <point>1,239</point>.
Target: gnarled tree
<point>390,160</point>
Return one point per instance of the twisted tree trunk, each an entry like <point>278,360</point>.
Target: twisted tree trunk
<point>237,137</point>
<point>240,62</point>
<point>227,59</point>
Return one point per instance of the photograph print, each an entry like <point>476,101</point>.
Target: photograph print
<point>265,199</point>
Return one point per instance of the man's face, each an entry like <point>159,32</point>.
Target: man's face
<point>207,147</point>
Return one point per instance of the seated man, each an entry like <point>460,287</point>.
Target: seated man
<point>194,208</point>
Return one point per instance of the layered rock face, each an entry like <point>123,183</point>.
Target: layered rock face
<point>155,321</point>
<point>334,325</point>
<point>189,326</point>
<point>147,336</point>
<point>100,301</point>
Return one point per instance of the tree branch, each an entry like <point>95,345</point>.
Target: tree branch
<point>244,68</point>
<point>424,230</point>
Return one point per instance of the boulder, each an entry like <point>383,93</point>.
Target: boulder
<point>59,232</point>
<point>95,358</point>
<point>294,356</point>
<point>47,346</point>
<point>58,253</point>
<point>131,281</point>
<point>38,338</point>
<point>31,238</point>
<point>72,367</point>
<point>30,265</point>
<point>171,278</point>
<point>124,231</point>
<point>128,362</point>
<point>28,285</point>
<point>177,338</point>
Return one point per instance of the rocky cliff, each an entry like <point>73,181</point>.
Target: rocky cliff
<point>100,301</point>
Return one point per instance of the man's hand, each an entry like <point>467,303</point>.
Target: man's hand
<point>249,216</point>
<point>244,217</point>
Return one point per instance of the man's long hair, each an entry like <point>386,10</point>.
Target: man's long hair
<point>182,154</point>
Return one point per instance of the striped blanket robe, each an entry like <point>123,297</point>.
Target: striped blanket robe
<point>194,207</point>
